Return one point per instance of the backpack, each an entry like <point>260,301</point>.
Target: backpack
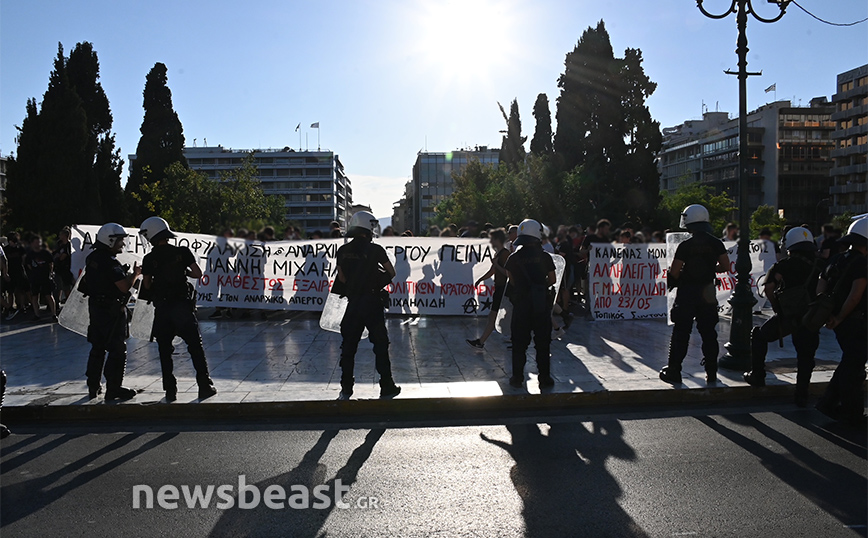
<point>794,300</point>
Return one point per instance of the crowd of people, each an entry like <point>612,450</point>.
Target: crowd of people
<point>816,282</point>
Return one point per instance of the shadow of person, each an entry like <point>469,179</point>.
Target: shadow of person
<point>563,481</point>
<point>802,468</point>
<point>25,498</point>
<point>264,521</point>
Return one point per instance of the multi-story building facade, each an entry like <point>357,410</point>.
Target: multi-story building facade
<point>849,188</point>
<point>432,183</point>
<point>313,185</point>
<point>789,153</point>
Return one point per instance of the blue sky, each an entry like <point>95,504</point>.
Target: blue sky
<point>381,76</point>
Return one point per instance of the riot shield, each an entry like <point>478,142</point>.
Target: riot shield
<point>672,242</point>
<point>75,316</point>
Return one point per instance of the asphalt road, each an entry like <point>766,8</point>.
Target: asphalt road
<point>734,472</point>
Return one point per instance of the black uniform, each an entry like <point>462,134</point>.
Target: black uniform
<point>797,276</point>
<point>108,328</point>
<point>15,253</point>
<point>696,299</point>
<point>532,300</point>
<point>38,265</point>
<point>361,262</point>
<point>845,388</point>
<point>63,267</point>
<point>175,311</point>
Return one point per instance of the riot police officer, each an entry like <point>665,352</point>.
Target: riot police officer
<point>166,270</point>
<point>790,286</point>
<point>108,284</point>
<point>363,271</point>
<point>693,273</point>
<point>844,279</point>
<point>531,274</point>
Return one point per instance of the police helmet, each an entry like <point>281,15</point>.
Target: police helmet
<point>693,214</point>
<point>363,223</point>
<point>857,233</point>
<point>110,234</point>
<point>155,229</point>
<point>799,238</point>
<point>529,231</point>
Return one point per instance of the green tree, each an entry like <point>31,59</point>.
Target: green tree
<point>192,202</point>
<point>83,70</point>
<point>639,174</point>
<point>108,169</point>
<point>49,180</point>
<point>541,143</point>
<point>162,140</point>
<point>58,176</point>
<point>512,146</point>
<point>605,127</point>
<point>766,216</point>
<point>720,206</point>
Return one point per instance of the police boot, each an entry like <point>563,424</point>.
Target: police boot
<point>758,348</point>
<point>206,388</point>
<point>710,370</point>
<point>388,389</point>
<point>670,375</point>
<point>114,376</point>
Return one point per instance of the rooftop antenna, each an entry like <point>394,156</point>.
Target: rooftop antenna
<point>206,142</point>
<point>426,143</point>
<point>717,106</point>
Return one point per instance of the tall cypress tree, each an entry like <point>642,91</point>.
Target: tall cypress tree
<point>162,141</point>
<point>605,127</point>
<point>512,146</point>
<point>639,172</point>
<point>53,180</point>
<point>49,178</point>
<point>541,143</point>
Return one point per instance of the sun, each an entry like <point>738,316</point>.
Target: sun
<point>456,29</point>
<point>467,39</point>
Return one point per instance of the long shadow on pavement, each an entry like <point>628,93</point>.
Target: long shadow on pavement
<point>814,477</point>
<point>262,521</point>
<point>564,493</point>
<point>30,496</point>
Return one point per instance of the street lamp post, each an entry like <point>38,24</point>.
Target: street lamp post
<point>742,301</point>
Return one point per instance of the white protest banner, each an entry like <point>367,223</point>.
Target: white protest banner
<point>628,281</point>
<point>762,257</point>
<point>434,275</point>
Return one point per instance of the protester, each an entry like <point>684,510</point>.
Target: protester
<point>693,273</point>
<point>730,232</point>
<point>18,286</point>
<point>63,277</point>
<point>766,235</point>
<point>364,270</point>
<point>165,272</point>
<point>531,273</point>
<point>830,245</point>
<point>498,271</point>
<point>39,265</point>
<point>388,231</point>
<point>107,286</point>
<point>316,235</point>
<point>790,286</point>
<point>844,279</point>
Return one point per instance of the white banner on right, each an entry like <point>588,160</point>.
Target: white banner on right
<point>628,281</point>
